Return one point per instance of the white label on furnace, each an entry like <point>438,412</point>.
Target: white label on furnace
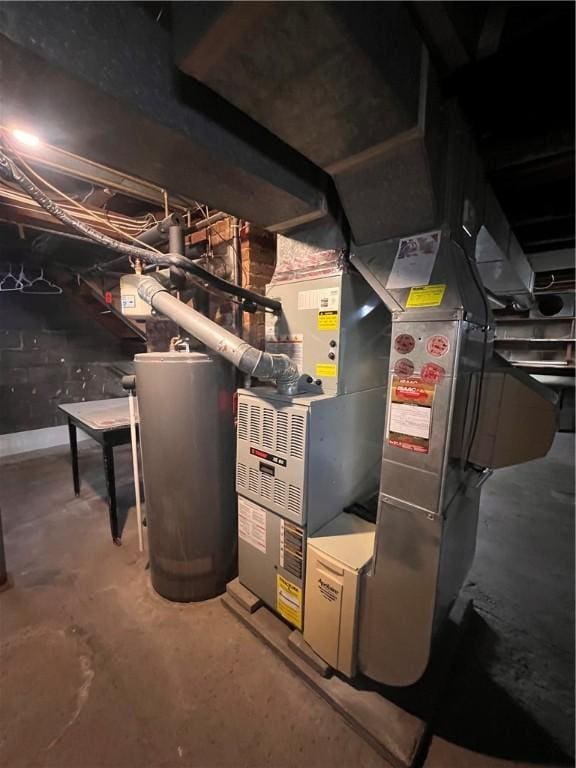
<point>293,346</point>
<point>322,298</point>
<point>414,261</point>
<point>270,321</point>
<point>413,420</point>
<point>252,524</point>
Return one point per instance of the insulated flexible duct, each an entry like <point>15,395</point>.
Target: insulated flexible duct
<point>248,359</point>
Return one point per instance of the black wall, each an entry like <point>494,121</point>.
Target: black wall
<point>51,352</point>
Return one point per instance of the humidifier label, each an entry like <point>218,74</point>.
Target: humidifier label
<point>328,320</point>
<point>410,413</point>
<point>252,524</point>
<point>289,601</point>
<point>291,548</point>
<point>415,259</point>
<point>425,296</point>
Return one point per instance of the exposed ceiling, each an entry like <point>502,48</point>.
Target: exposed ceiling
<point>510,65</point>
<point>513,73</point>
<point>110,202</point>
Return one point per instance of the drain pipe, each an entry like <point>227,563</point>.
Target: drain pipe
<point>248,359</point>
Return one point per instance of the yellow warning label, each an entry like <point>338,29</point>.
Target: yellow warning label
<point>327,370</point>
<point>425,296</point>
<point>289,601</point>
<point>328,320</point>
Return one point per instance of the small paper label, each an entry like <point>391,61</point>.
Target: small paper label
<point>252,524</point>
<point>327,370</point>
<point>322,298</point>
<point>128,302</point>
<point>414,260</point>
<point>426,296</point>
<point>289,601</point>
<point>291,548</point>
<point>328,320</point>
<point>410,419</point>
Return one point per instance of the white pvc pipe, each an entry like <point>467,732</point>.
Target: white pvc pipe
<point>135,469</point>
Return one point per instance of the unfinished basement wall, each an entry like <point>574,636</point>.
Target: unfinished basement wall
<point>258,258</point>
<point>258,249</point>
<point>51,353</point>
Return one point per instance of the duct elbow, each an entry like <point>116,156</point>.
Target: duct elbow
<point>287,375</point>
<point>271,367</point>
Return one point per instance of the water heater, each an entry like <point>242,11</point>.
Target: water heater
<point>187,438</point>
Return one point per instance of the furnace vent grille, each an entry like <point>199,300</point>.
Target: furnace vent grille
<point>279,492</point>
<point>266,486</point>
<point>268,429</point>
<point>282,432</point>
<point>278,431</point>
<point>243,421</point>
<point>255,412</point>
<point>254,481</point>
<point>297,436</point>
<point>272,489</point>
<point>294,499</point>
<point>241,474</point>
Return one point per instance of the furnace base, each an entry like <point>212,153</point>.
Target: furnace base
<point>386,724</point>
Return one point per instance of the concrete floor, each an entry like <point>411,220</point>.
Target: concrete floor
<point>98,671</point>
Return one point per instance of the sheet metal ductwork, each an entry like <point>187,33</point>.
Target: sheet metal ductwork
<point>351,94</point>
<point>356,94</point>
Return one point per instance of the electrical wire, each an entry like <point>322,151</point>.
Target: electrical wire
<point>11,172</point>
<point>92,214</point>
<point>12,197</point>
<point>11,193</point>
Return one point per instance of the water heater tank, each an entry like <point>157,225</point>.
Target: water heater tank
<point>187,439</point>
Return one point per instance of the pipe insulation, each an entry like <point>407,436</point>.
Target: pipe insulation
<point>11,172</point>
<point>254,362</point>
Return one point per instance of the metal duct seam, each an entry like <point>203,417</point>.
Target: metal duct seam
<point>263,365</point>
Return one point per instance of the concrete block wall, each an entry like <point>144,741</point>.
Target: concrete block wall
<point>51,353</point>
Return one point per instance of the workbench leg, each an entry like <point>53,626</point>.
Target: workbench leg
<point>74,456</point>
<point>108,454</point>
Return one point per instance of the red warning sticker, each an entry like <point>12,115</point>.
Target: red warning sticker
<point>438,345</point>
<point>432,373</point>
<point>404,343</point>
<point>410,418</point>
<point>404,367</point>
